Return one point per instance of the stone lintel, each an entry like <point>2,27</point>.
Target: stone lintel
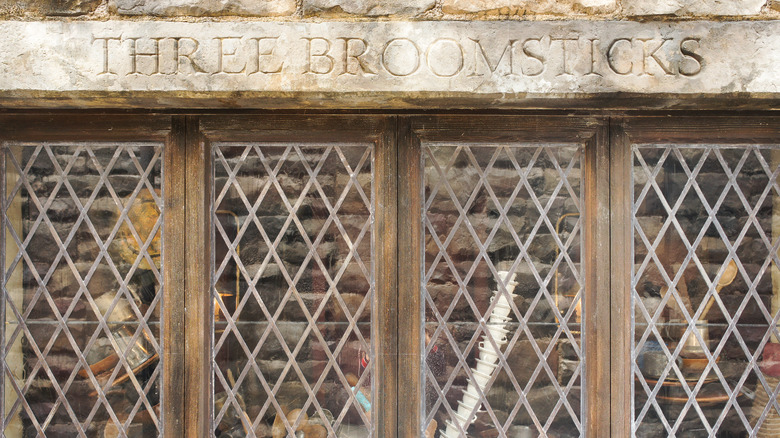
<point>381,65</point>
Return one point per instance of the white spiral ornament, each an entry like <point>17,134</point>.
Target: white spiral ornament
<point>488,356</point>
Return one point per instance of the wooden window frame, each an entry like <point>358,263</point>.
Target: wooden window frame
<point>590,132</point>
<point>624,132</point>
<point>163,129</point>
<point>186,330</point>
<point>378,130</point>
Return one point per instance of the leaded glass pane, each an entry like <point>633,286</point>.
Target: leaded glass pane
<point>81,228</point>
<point>706,290</point>
<point>293,290</point>
<point>502,290</point>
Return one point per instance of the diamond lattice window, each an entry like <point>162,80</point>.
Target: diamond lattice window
<point>705,290</point>
<point>82,227</point>
<point>293,290</point>
<point>502,289</point>
<point>364,275</point>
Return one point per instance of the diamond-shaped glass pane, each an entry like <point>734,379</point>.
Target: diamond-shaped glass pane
<point>706,290</point>
<point>293,287</point>
<point>502,290</point>
<point>81,229</point>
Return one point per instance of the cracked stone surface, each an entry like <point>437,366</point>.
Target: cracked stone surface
<point>390,63</point>
<point>524,7</point>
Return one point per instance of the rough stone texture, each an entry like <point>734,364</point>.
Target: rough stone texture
<point>371,8</point>
<point>427,9</point>
<point>393,64</point>
<point>523,7</point>
<point>203,7</point>
<point>693,7</point>
<point>48,7</point>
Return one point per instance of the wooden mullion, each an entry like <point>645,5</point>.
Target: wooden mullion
<point>409,265</point>
<point>625,132</point>
<point>621,255</point>
<point>385,312</point>
<point>198,315</point>
<point>3,212</point>
<point>596,264</point>
<point>172,405</point>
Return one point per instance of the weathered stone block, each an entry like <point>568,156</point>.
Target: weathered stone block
<point>390,64</point>
<point>367,7</point>
<point>203,7</point>
<point>693,7</point>
<point>524,7</point>
<point>48,7</point>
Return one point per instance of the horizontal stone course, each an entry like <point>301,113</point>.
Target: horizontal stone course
<point>693,7</point>
<point>427,9</point>
<point>367,8</point>
<point>525,7</point>
<point>48,7</point>
<point>198,8</point>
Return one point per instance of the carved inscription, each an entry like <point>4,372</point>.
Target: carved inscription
<point>398,63</point>
<point>346,56</point>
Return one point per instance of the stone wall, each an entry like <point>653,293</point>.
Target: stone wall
<point>395,9</point>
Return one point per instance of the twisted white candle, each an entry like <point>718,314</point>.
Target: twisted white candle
<point>488,356</point>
